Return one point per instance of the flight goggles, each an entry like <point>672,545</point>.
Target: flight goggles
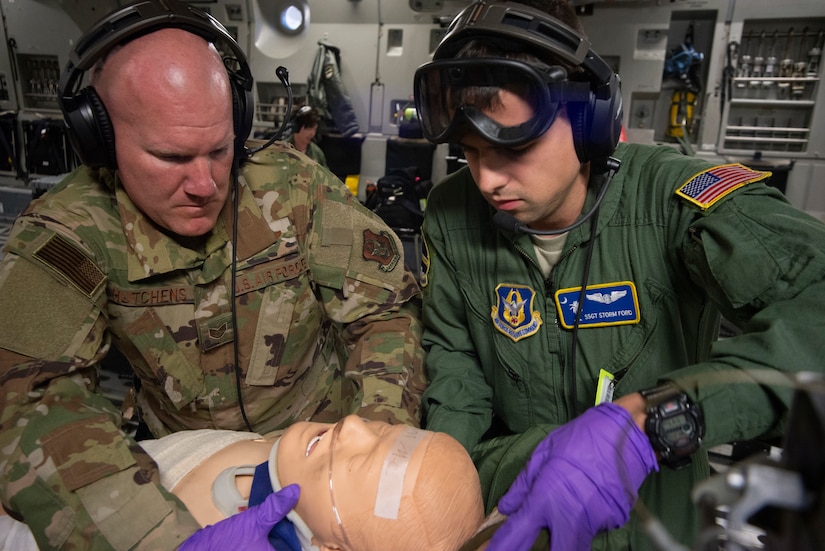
<point>451,96</point>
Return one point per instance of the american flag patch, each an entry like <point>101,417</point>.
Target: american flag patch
<point>707,187</point>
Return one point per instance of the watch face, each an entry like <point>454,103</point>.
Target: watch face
<point>679,429</point>
<point>674,425</point>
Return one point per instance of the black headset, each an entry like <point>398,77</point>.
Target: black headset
<point>597,123</point>
<point>89,126</point>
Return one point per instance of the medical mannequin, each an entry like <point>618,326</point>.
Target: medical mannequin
<point>440,500</point>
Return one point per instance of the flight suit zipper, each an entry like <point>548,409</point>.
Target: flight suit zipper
<point>550,290</point>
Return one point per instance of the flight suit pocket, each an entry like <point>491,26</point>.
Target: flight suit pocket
<point>181,381</point>
<point>482,310</point>
<point>632,357</point>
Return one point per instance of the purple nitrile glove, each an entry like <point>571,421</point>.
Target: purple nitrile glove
<point>248,530</point>
<point>583,478</point>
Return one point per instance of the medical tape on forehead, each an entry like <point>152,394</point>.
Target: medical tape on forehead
<point>391,483</point>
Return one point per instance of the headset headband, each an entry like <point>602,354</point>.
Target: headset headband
<point>87,121</point>
<point>138,19</point>
<point>531,27</point>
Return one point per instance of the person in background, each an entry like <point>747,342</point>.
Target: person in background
<point>245,286</point>
<point>304,127</point>
<point>574,288</point>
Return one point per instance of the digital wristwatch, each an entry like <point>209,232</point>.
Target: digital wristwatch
<point>674,424</point>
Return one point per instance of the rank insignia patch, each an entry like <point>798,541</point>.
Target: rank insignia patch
<point>708,187</point>
<point>605,304</point>
<point>381,248</point>
<point>513,313</point>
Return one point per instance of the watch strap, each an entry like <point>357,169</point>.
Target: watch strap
<point>657,394</point>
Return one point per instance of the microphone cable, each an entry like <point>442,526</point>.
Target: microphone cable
<point>236,192</point>
<point>283,75</point>
<point>574,337</point>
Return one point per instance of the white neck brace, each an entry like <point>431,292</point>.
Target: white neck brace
<point>228,500</point>
<point>301,528</point>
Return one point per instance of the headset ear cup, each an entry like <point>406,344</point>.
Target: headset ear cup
<point>576,113</point>
<point>606,121</point>
<point>105,128</point>
<point>242,113</point>
<point>597,124</point>
<point>90,130</point>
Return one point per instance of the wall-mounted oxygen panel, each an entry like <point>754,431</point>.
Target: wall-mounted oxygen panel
<point>39,77</point>
<point>774,87</point>
<point>270,109</point>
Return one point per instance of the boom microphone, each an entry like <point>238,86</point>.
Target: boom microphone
<point>283,75</point>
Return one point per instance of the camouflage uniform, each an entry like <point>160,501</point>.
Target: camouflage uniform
<point>326,324</point>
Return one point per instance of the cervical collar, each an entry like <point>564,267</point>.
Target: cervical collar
<point>229,501</point>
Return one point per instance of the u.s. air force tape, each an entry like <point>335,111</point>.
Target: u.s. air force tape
<point>391,483</point>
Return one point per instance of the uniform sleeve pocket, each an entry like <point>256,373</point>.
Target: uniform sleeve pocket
<point>379,377</point>
<point>82,459</point>
<point>123,510</point>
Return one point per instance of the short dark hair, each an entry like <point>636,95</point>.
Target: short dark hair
<point>305,117</point>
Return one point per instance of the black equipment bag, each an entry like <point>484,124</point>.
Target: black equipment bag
<point>399,199</point>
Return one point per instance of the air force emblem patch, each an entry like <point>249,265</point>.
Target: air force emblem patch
<point>381,248</point>
<point>513,313</point>
<point>605,304</point>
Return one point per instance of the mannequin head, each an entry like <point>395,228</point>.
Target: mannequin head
<point>440,499</point>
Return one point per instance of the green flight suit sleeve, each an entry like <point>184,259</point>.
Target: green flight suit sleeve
<point>762,262</point>
<point>66,468</point>
<point>318,155</point>
<point>457,400</point>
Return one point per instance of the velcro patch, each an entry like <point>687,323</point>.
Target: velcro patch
<point>513,313</point>
<point>604,304</point>
<point>380,247</point>
<point>708,187</point>
<point>65,259</point>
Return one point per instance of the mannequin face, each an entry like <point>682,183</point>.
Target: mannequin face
<point>361,448</point>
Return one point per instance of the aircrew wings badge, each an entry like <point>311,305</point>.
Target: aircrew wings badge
<point>708,187</point>
<point>513,314</point>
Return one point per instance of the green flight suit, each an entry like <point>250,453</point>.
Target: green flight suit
<point>326,324</point>
<point>500,380</point>
<point>313,151</point>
